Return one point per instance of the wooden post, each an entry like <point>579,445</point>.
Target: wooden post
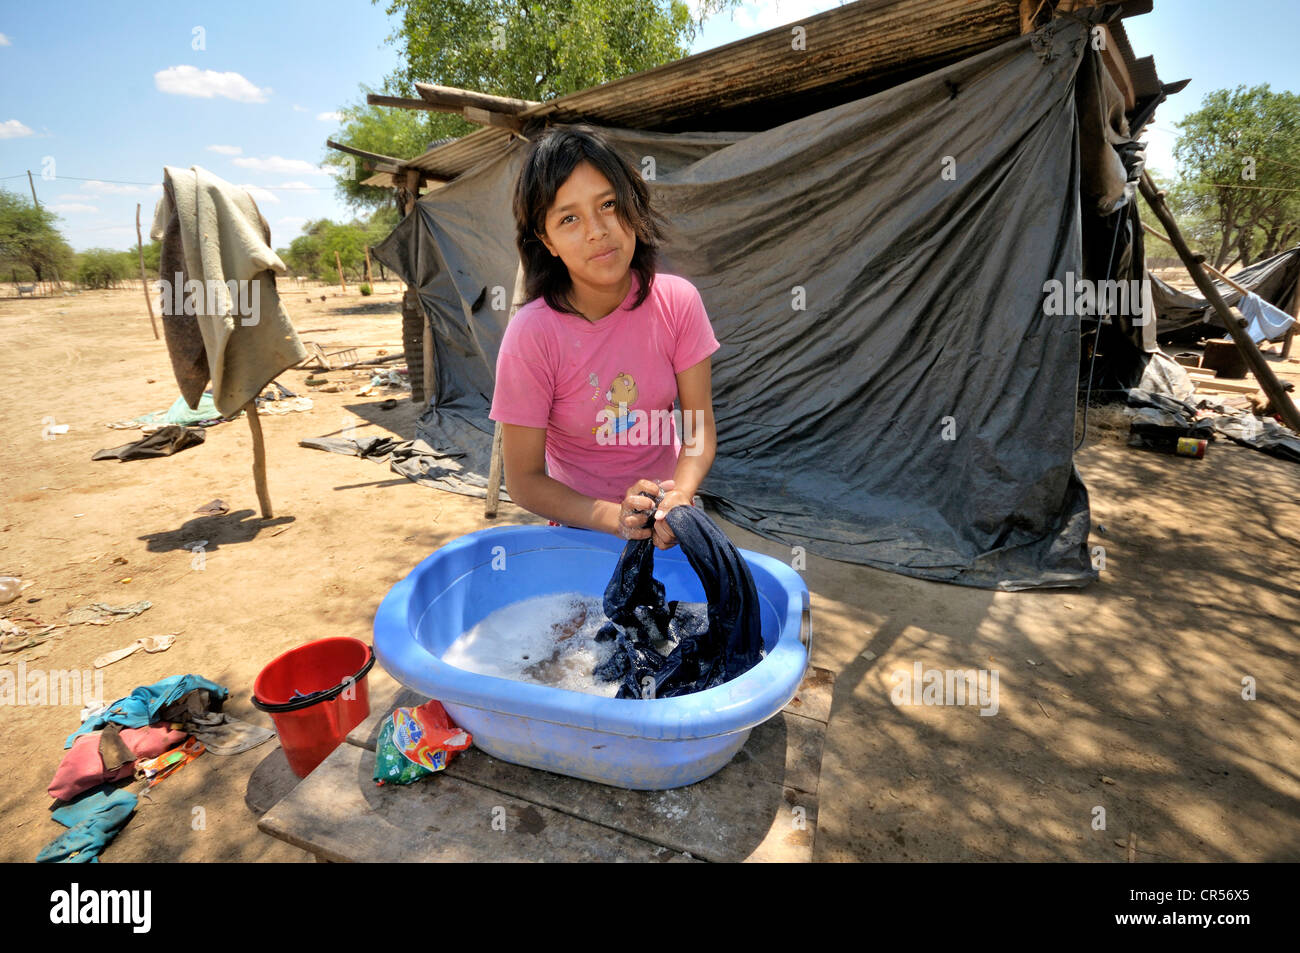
<point>1194,263</point>
<point>1295,313</point>
<point>139,244</point>
<point>339,264</point>
<point>414,179</point>
<point>259,459</point>
<point>497,464</point>
<point>369,277</point>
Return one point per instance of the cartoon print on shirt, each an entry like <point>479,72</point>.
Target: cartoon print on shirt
<point>616,417</point>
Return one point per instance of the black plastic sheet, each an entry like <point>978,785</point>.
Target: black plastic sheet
<point>889,390</point>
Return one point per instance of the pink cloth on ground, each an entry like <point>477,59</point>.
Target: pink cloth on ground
<point>604,391</point>
<point>82,768</point>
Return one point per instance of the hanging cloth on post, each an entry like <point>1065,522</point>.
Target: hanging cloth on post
<point>710,643</point>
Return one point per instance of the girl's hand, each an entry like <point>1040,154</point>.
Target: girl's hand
<point>639,502</point>
<point>664,536</point>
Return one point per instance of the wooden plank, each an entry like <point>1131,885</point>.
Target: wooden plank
<point>496,463</point>
<point>760,807</point>
<point>453,99</point>
<point>1207,381</point>
<point>340,814</point>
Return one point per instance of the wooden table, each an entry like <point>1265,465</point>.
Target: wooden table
<point>761,807</point>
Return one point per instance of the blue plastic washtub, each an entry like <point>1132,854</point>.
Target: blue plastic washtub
<point>630,743</point>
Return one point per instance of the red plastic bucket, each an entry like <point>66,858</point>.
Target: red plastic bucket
<point>315,693</point>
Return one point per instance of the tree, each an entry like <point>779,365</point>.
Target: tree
<point>29,239</point>
<point>104,268</point>
<point>312,253</point>
<point>523,49</point>
<point>1239,155</point>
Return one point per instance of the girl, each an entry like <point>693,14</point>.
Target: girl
<point>590,365</point>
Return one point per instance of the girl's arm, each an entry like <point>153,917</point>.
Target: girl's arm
<point>523,451</point>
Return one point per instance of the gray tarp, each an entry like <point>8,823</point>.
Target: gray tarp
<point>1185,318</point>
<point>922,316</point>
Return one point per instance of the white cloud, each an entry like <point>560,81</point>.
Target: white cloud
<point>208,84</point>
<point>767,15</point>
<point>13,129</point>
<point>300,186</point>
<point>330,117</point>
<point>4,40</point>
<point>261,195</point>
<point>279,165</point>
<point>109,188</point>
<point>73,207</point>
<point>226,150</point>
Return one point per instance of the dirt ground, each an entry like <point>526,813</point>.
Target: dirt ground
<point>1125,696</point>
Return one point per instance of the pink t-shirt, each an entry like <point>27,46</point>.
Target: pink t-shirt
<point>604,391</point>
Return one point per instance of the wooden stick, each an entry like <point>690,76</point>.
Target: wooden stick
<point>369,277</point>
<point>493,495</point>
<point>259,458</point>
<point>1254,360</point>
<point>1295,313</point>
<point>339,264</point>
<point>497,464</point>
<point>139,244</point>
<point>414,179</point>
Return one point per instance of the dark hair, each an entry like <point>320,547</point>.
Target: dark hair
<point>548,165</point>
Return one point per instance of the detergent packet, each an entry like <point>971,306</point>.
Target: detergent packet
<point>415,742</point>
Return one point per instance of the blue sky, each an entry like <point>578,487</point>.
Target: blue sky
<point>102,95</point>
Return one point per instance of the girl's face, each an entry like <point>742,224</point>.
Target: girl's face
<point>584,229</point>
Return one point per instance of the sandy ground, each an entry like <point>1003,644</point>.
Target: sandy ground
<point>1125,696</point>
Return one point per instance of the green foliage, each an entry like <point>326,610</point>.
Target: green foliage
<point>524,49</point>
<point>365,289</point>
<point>1239,155</point>
<point>311,254</point>
<point>104,268</point>
<point>152,258</point>
<point>30,245</point>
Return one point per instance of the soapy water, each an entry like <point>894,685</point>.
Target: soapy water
<point>547,640</point>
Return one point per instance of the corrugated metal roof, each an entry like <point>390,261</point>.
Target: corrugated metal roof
<point>761,81</point>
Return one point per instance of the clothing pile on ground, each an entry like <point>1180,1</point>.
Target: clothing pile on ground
<point>147,736</point>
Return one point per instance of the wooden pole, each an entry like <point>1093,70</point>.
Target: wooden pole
<point>1295,313</point>
<point>259,459</point>
<point>35,200</point>
<point>1194,263</point>
<point>414,179</point>
<point>369,277</point>
<point>139,244</point>
<point>339,264</point>
<point>497,464</point>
